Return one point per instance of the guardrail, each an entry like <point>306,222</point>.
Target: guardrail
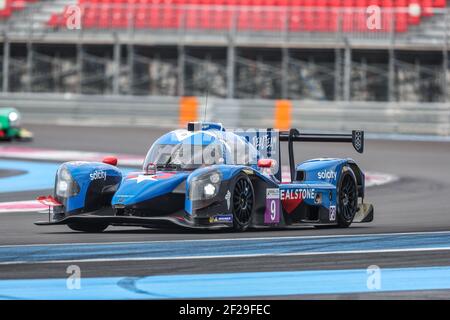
<point>374,117</point>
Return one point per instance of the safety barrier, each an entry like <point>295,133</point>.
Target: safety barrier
<point>374,117</point>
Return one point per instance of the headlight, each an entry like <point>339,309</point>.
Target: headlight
<point>13,117</point>
<point>209,190</point>
<point>65,186</point>
<point>215,178</point>
<point>205,186</point>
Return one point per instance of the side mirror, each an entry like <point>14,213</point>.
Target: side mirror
<point>151,168</point>
<point>265,163</point>
<point>110,160</point>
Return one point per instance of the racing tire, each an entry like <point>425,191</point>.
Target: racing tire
<point>243,201</point>
<point>88,227</point>
<point>347,198</point>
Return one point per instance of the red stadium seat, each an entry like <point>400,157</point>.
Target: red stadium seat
<point>307,16</point>
<point>54,20</point>
<point>347,16</point>
<point>427,7</point>
<point>243,19</point>
<point>141,19</point>
<point>7,10</point>
<point>414,17</point>
<point>359,16</point>
<point>256,15</point>
<point>295,21</point>
<point>333,21</point>
<point>439,3</point>
<point>401,18</point>
<point>387,16</point>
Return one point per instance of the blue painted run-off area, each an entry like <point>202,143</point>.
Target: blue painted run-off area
<point>222,248</point>
<point>38,176</point>
<point>250,284</point>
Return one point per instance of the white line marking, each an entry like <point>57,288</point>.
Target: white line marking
<point>234,239</point>
<point>231,256</point>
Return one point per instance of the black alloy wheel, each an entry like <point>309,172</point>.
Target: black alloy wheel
<point>347,198</point>
<point>243,202</point>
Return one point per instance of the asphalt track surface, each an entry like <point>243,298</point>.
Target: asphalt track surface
<point>418,202</point>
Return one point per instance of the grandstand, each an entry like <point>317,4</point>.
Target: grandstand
<point>295,49</point>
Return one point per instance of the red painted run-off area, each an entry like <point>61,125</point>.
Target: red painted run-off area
<point>22,206</point>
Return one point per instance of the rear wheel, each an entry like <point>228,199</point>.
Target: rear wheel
<point>347,202</point>
<point>88,227</point>
<point>243,199</point>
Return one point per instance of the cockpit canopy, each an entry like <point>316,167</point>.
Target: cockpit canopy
<point>189,150</point>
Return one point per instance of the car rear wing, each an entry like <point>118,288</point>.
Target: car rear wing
<point>356,138</point>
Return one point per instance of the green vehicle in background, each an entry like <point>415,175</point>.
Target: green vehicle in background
<point>10,128</point>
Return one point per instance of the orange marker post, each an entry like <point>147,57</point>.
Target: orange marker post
<point>283,111</point>
<point>188,110</point>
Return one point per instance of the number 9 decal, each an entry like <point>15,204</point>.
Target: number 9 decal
<point>272,212</point>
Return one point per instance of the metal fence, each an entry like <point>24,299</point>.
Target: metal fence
<point>243,73</point>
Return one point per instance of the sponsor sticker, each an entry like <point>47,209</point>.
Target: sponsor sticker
<point>228,198</point>
<point>297,193</point>
<point>291,198</point>
<point>221,218</point>
<point>326,174</point>
<point>273,209</point>
<point>332,213</point>
<point>140,177</point>
<point>263,141</point>
<point>98,175</point>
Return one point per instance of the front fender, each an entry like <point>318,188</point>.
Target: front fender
<point>194,206</point>
<point>96,183</point>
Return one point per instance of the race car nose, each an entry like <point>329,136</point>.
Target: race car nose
<point>140,187</point>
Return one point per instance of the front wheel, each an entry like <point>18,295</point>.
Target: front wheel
<point>88,227</point>
<point>243,199</point>
<point>347,202</point>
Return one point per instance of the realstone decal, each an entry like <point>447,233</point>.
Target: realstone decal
<point>297,193</point>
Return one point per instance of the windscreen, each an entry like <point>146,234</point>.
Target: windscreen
<point>225,148</point>
<point>184,156</point>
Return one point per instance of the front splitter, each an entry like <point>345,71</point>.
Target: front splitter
<point>152,222</point>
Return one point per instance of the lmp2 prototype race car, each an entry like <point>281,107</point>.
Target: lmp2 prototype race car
<point>10,126</point>
<point>209,177</point>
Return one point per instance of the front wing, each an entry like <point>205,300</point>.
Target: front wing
<point>172,221</point>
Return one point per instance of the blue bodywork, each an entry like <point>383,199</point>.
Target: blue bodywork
<point>83,175</point>
<point>181,192</point>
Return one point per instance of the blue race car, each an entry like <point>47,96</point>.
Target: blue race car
<point>208,177</point>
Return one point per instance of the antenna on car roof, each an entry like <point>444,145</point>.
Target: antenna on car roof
<point>206,105</point>
<point>207,94</point>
